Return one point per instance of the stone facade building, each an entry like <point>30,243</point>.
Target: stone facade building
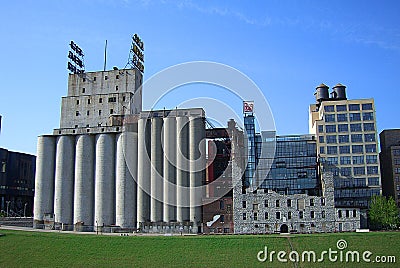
<point>264,211</point>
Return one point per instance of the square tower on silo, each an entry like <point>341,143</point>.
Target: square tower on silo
<point>94,96</point>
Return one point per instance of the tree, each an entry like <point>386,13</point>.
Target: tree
<point>383,213</point>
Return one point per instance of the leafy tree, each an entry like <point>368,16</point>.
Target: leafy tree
<point>383,213</point>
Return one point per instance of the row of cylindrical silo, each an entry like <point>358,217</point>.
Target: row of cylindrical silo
<point>123,178</point>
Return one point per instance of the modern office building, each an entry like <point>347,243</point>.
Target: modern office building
<point>17,180</point>
<point>347,141</point>
<point>294,166</point>
<point>390,163</point>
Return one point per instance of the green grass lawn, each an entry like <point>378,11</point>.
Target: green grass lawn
<point>27,249</point>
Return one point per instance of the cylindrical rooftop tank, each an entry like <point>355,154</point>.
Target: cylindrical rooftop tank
<point>339,92</point>
<point>322,93</point>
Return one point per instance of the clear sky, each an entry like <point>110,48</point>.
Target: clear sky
<point>286,47</point>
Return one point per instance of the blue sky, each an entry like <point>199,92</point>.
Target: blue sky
<point>286,47</point>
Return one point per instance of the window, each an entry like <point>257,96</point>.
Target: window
<point>369,127</point>
<point>76,126</point>
<point>359,182</point>
<point>343,128</point>
<point>244,216</point>
<point>88,101</point>
<point>368,116</point>
<point>312,214</point>
<point>301,214</point>
<point>345,160</point>
<point>117,76</point>
<point>278,215</point>
<point>345,171</point>
<point>370,148</point>
<point>373,181</point>
<point>354,213</point>
<point>221,204</point>
<point>3,167</point>
<point>329,108</point>
<point>371,159</point>
<point>77,102</point>
<point>342,117</point>
<point>320,128</point>
<point>266,215</point>
<point>289,215</point>
<point>367,106</point>
<point>343,138</point>
<point>331,149</point>
<point>116,88</point>
<point>311,202</point>
<point>397,170</point>
<point>277,203</point>
<point>243,204</point>
<point>300,204</point>
<point>341,108</point>
<point>112,99</point>
<point>323,214</point>
<point>355,127</point>
<point>358,171</point>
<point>354,107</point>
<point>255,206</point>
<point>76,113</point>
<point>289,202</point>
<point>84,79</point>
<point>357,160</point>
<point>396,152</point>
<point>344,149</point>
<point>331,139</point>
<point>105,77</point>
<point>83,90</point>
<point>87,113</point>
<point>123,98</point>
<point>266,203</point>
<point>347,213</point>
<point>396,161</point>
<point>322,150</point>
<point>372,170</point>
<point>101,100</point>
<point>99,112</point>
<point>322,201</point>
<point>94,78</point>
<point>355,117</point>
<point>356,138</point>
<point>222,218</point>
<point>369,137</point>
<point>329,118</point>
<point>321,139</point>
<point>330,128</point>
<point>111,111</point>
<point>339,213</point>
<point>357,149</point>
<point>332,161</point>
<point>255,215</point>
